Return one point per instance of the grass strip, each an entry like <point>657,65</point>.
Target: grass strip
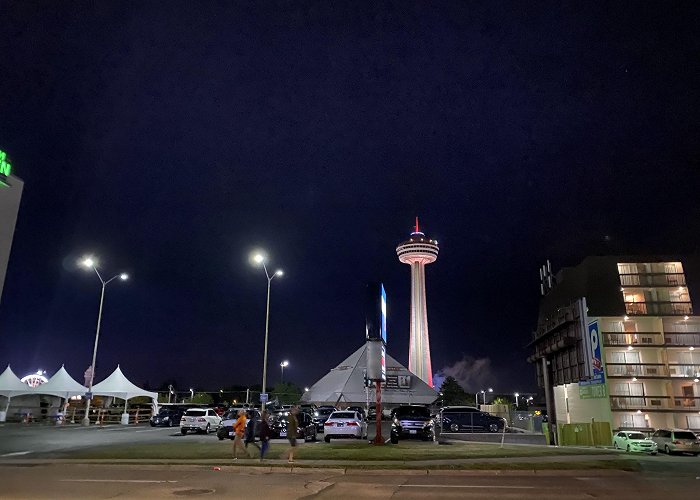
<point>346,451</point>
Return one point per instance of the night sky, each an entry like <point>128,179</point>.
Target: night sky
<point>172,138</point>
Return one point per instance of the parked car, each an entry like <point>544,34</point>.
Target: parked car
<point>306,428</point>
<point>306,408</point>
<point>411,421</point>
<point>634,442</point>
<point>469,419</point>
<point>167,417</point>
<point>200,420</point>
<point>359,410</point>
<point>345,424</point>
<point>320,416</point>
<point>226,429</point>
<point>676,441</point>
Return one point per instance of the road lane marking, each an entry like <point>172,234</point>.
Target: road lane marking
<point>465,486</point>
<point>15,453</point>
<point>114,481</point>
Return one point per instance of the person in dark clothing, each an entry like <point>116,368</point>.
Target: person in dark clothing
<point>265,435</point>
<point>250,430</point>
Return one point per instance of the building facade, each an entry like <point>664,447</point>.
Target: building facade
<point>10,196</point>
<point>649,339</point>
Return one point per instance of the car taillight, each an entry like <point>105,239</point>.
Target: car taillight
<point>201,420</point>
<point>675,442</point>
<point>330,424</point>
<point>353,424</point>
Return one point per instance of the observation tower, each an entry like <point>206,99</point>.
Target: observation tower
<point>418,251</point>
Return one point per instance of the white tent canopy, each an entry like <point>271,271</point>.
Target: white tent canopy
<point>61,385</point>
<point>10,384</point>
<point>118,386</point>
<point>345,383</point>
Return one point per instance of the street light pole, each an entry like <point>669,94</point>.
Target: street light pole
<point>90,263</point>
<point>282,365</point>
<point>259,259</point>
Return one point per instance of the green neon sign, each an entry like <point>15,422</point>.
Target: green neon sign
<point>5,168</point>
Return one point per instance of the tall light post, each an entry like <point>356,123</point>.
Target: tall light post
<point>483,393</point>
<point>260,259</point>
<point>283,364</point>
<point>516,400</point>
<point>89,263</point>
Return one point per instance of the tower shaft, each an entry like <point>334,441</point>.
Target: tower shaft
<point>419,347</point>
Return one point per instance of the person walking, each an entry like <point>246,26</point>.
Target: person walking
<point>292,429</point>
<point>239,431</point>
<point>265,435</point>
<point>250,430</point>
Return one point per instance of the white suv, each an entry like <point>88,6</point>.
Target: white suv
<point>200,420</point>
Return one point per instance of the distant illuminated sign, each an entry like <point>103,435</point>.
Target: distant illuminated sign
<point>375,312</point>
<point>34,379</point>
<point>5,168</point>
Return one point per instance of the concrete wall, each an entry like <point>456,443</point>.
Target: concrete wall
<point>580,410</point>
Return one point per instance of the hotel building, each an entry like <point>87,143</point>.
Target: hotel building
<point>649,343</point>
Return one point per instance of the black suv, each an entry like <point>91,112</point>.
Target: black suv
<point>168,417</point>
<point>306,428</point>
<point>411,421</point>
<point>469,419</point>
<point>320,415</point>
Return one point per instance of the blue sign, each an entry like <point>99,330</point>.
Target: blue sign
<point>88,395</point>
<point>383,314</point>
<point>597,372</point>
<point>263,397</point>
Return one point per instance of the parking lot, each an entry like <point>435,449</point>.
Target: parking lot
<point>37,441</point>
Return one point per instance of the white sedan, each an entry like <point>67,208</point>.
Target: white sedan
<point>200,420</point>
<point>344,424</point>
<point>634,441</point>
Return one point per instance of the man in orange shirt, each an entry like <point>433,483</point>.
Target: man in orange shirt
<point>239,432</point>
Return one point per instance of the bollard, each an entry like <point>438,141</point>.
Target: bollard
<point>72,417</point>
<point>101,418</point>
<point>136,418</point>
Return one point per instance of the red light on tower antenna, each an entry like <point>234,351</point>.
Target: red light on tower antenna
<point>417,228</point>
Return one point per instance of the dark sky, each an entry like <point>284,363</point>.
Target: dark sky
<point>172,138</point>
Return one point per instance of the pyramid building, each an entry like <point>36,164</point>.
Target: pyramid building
<point>344,384</point>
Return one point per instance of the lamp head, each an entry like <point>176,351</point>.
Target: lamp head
<point>517,395</point>
<point>279,272</point>
<point>490,390</point>
<point>258,258</point>
<point>123,276</point>
<point>284,363</point>
<point>88,262</point>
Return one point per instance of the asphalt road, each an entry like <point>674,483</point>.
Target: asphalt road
<point>98,482</point>
<point>35,441</point>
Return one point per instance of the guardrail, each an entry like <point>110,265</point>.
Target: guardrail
<point>637,370</point>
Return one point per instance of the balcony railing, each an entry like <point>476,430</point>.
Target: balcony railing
<point>683,339</point>
<point>636,338</point>
<point>654,402</point>
<point>651,339</point>
<point>683,370</point>
<point>641,402</point>
<point>637,370</point>
<point>659,308</point>
<point>683,402</point>
<point>657,279</point>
